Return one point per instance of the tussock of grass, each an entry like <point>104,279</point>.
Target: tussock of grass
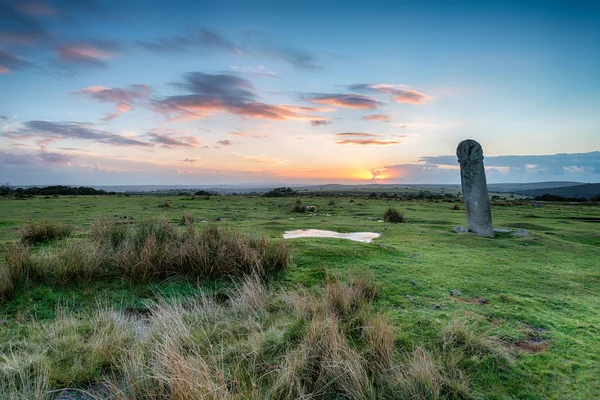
<point>151,250</point>
<point>13,272</point>
<point>299,207</point>
<point>393,215</point>
<point>43,231</point>
<point>187,218</point>
<point>249,347</point>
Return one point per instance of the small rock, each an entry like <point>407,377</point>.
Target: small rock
<point>503,230</point>
<point>460,229</point>
<point>456,293</point>
<point>415,283</point>
<point>483,301</point>
<point>436,305</point>
<point>520,233</point>
<point>414,255</point>
<point>537,205</point>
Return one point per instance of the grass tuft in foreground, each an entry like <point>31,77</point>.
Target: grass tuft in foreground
<point>263,342</point>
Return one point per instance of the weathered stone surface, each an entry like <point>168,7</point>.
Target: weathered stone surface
<point>456,293</point>
<point>460,229</point>
<point>474,188</point>
<point>503,230</point>
<point>520,233</point>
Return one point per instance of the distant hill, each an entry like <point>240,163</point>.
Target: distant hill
<point>586,191</point>
<point>519,187</point>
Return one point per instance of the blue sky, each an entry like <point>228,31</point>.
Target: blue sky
<point>204,92</point>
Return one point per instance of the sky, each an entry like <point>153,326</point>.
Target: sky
<point>116,92</point>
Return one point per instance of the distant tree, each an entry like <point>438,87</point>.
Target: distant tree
<point>281,192</point>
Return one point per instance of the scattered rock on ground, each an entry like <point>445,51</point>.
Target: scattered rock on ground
<point>456,293</point>
<point>520,233</point>
<point>415,283</point>
<point>503,230</point>
<point>460,229</point>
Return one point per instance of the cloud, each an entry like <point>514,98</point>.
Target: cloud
<point>202,39</point>
<point>225,142</point>
<point>14,159</point>
<point>168,141</point>
<point>254,44</point>
<point>122,98</point>
<point>71,130</point>
<point>343,100</point>
<point>92,53</point>
<point>54,158</point>
<point>189,160</point>
<point>398,93</point>
<point>10,62</point>
<point>356,134</point>
<point>554,164</point>
<point>377,117</point>
<point>319,122</point>
<point>17,26</point>
<point>224,93</point>
<point>254,71</point>
<point>368,142</point>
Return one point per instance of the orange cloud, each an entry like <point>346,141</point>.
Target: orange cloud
<point>368,142</point>
<point>356,101</point>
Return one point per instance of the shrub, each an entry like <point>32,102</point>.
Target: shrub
<point>332,202</point>
<point>281,192</point>
<point>455,207</point>
<point>299,207</point>
<point>44,231</point>
<point>394,216</point>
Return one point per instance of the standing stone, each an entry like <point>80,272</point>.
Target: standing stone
<point>474,188</point>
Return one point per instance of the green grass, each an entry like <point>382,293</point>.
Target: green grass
<point>541,290</point>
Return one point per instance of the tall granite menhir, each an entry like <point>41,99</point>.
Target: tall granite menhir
<point>474,188</point>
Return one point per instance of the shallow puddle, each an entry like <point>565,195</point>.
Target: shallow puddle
<point>356,236</point>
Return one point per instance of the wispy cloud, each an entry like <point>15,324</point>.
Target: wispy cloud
<point>71,130</point>
<point>224,93</point>
<point>398,93</point>
<point>189,160</point>
<point>357,134</point>
<point>320,122</point>
<point>343,100</point>
<point>368,142</point>
<point>122,98</point>
<point>54,157</point>
<point>167,140</point>
<point>377,117</point>
<point>93,53</point>
<point>254,44</point>
<point>10,62</point>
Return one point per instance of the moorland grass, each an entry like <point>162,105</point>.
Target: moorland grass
<point>263,342</point>
<point>43,231</point>
<point>152,249</point>
<point>534,297</point>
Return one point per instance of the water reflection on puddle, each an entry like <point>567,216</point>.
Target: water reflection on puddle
<point>356,236</point>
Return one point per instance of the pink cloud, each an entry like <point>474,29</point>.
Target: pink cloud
<point>368,142</point>
<point>377,117</point>
<point>123,98</point>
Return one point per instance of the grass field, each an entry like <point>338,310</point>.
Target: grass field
<point>526,325</point>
